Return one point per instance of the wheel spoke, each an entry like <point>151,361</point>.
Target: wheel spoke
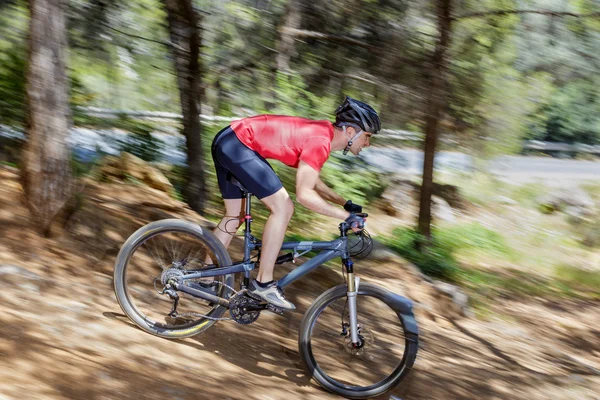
<point>338,362</point>
<point>143,281</point>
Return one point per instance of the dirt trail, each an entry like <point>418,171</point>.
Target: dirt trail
<point>63,336</point>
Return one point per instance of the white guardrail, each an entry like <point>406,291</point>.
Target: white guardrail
<point>385,133</point>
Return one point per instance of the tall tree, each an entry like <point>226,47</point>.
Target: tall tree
<point>436,104</point>
<point>46,171</point>
<point>185,36</point>
<point>285,47</point>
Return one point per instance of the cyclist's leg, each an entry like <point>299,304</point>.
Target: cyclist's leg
<point>232,196</point>
<point>282,209</point>
<point>230,222</point>
<point>257,176</point>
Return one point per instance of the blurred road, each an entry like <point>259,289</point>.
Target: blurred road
<point>549,170</point>
<point>517,169</point>
<point>88,144</point>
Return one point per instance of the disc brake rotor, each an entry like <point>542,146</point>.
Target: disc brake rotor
<point>366,340</point>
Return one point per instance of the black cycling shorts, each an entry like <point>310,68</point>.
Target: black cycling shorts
<point>234,159</point>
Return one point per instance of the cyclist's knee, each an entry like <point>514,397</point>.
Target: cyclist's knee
<point>289,208</point>
<point>280,204</point>
<point>284,208</point>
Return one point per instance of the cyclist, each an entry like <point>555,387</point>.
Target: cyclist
<point>240,151</point>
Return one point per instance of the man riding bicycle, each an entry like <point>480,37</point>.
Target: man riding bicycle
<point>240,151</point>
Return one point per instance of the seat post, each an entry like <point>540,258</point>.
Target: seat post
<point>247,235</point>
<point>248,216</point>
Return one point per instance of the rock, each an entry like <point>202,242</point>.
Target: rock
<point>84,230</point>
<point>450,194</point>
<point>114,235</point>
<point>402,195</point>
<point>127,165</point>
<point>505,200</point>
<point>442,210</point>
<point>15,270</point>
<point>577,201</point>
<point>134,166</point>
<point>382,253</point>
<point>157,180</point>
<point>398,197</point>
<point>457,301</point>
<point>29,287</point>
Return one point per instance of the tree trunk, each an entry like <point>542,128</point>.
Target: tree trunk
<point>185,36</point>
<point>436,103</point>
<point>285,47</point>
<point>46,170</point>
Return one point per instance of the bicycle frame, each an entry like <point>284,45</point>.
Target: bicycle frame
<point>327,251</point>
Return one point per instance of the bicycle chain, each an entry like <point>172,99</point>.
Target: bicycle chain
<point>194,314</point>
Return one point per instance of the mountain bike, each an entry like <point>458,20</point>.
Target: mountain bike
<point>175,279</point>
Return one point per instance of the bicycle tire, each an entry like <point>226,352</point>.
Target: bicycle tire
<point>398,305</point>
<point>134,242</point>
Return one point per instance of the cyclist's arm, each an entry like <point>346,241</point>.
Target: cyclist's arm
<point>328,194</point>
<point>307,195</point>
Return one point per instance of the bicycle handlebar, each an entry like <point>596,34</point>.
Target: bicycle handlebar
<point>354,221</point>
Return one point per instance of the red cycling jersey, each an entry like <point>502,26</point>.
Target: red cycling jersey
<point>287,139</point>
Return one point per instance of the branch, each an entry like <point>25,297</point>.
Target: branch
<point>164,43</point>
<point>375,81</point>
<point>301,33</point>
<point>542,12</point>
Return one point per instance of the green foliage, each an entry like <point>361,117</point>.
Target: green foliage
<point>439,258</point>
<point>588,280</point>
<point>434,260</point>
<point>13,82</point>
<point>143,145</point>
<point>177,175</point>
<point>293,98</point>
<point>527,195</point>
<point>138,142</point>
<point>586,229</point>
<point>353,179</point>
<point>473,237</point>
<point>572,114</point>
<point>12,85</point>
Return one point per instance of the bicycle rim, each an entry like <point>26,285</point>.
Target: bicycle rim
<point>380,360</point>
<point>169,252</point>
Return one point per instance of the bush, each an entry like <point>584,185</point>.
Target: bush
<point>473,237</point>
<point>579,278</point>
<point>434,260</point>
<point>438,258</point>
<point>12,86</point>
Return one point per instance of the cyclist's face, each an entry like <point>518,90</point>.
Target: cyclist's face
<point>364,140</point>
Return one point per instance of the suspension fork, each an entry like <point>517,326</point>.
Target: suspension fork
<point>353,284</point>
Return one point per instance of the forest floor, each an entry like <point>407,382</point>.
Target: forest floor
<point>63,335</point>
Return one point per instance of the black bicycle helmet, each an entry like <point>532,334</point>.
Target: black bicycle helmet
<point>357,113</point>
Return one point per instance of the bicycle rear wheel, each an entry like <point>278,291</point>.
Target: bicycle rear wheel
<point>169,249</point>
<point>389,341</point>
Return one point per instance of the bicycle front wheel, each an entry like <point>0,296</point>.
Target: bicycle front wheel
<point>388,335</point>
<point>157,252</point>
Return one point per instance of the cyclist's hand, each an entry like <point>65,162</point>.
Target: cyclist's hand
<point>351,207</point>
<point>356,222</point>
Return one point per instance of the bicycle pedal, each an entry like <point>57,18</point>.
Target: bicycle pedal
<point>274,309</point>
